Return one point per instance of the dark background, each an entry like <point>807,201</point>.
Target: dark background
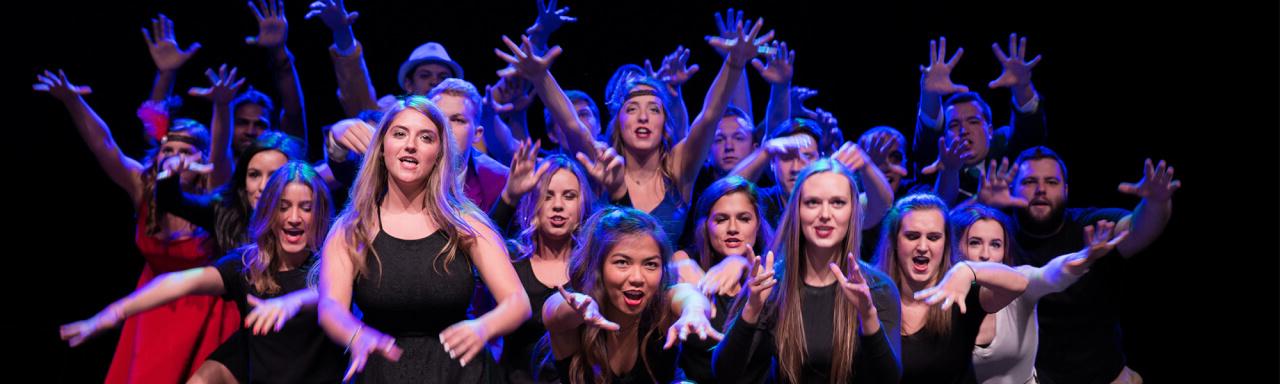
<point>1195,84</point>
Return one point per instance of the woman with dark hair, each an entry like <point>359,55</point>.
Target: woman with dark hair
<point>227,210</point>
<point>611,328</point>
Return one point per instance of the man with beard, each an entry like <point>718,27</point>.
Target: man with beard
<point>1080,337</point>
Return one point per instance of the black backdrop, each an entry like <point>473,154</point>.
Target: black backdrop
<point>1190,84</point>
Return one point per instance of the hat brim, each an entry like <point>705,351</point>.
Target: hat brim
<point>412,64</point>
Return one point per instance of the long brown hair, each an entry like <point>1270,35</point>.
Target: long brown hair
<point>445,204</point>
<point>606,228</point>
<point>784,306</point>
<point>261,259</point>
<point>938,321</point>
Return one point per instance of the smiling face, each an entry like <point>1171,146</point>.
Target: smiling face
<point>632,274</point>
<point>294,218</point>
<point>921,241</point>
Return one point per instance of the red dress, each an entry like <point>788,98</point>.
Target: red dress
<point>168,343</point>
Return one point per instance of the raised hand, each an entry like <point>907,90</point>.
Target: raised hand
<point>937,76</point>
<point>510,95</point>
<point>608,170</point>
<point>691,322</point>
<point>881,149</point>
<point>951,156</point>
<point>525,172</point>
<point>549,20</point>
<point>994,190</point>
<point>59,86</point>
<point>798,97</point>
<point>760,286</point>
<point>223,88</point>
<point>333,13</point>
<point>674,71</point>
<point>725,278</point>
<point>1017,70</point>
<point>273,29</point>
<point>1157,184</point>
<point>855,289</point>
<point>744,45</point>
<point>1099,240</point>
<point>851,156</point>
<point>164,46</point>
<point>524,63</point>
<point>353,135</point>
<point>780,67</point>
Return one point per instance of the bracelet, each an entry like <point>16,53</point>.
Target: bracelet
<point>975,272</point>
<point>353,339</point>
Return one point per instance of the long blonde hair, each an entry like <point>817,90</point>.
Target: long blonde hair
<point>784,306</point>
<point>445,203</point>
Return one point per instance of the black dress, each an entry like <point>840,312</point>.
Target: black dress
<point>412,295</point>
<point>299,353</point>
<point>522,357</point>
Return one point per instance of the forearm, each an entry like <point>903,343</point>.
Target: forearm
<point>512,310</point>
<point>754,164</point>
<point>220,148</point>
<point>575,133</point>
<point>294,120</point>
<point>354,86</point>
<point>1148,221</point>
<point>163,86</point>
<point>779,110</point>
<point>879,195</point>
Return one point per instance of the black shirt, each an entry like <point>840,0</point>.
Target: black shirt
<point>300,352</point>
<point>931,358</point>
<point>747,353</point>
<point>1080,336</point>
